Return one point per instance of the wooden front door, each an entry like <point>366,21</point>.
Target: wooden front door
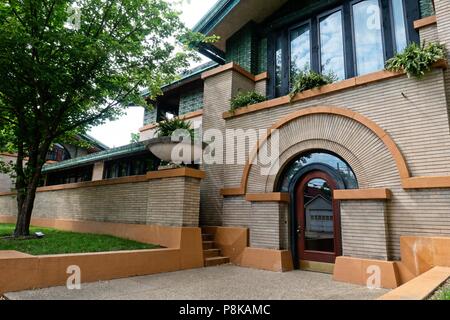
<point>318,218</point>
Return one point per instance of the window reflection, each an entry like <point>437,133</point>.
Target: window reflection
<point>300,51</point>
<point>399,25</point>
<point>368,39</point>
<point>341,167</point>
<point>278,67</point>
<point>331,45</point>
<point>319,224</point>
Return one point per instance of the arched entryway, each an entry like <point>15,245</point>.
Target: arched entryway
<point>310,178</point>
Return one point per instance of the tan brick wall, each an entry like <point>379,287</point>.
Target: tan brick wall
<point>218,90</point>
<point>413,112</point>
<point>169,202</point>
<point>364,231</point>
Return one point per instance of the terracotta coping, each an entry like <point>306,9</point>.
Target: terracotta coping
<point>362,194</point>
<point>235,67</point>
<point>426,182</point>
<point>330,88</point>
<point>8,154</point>
<point>424,22</point>
<point>173,173</point>
<point>268,197</point>
<point>186,116</point>
<point>421,287</point>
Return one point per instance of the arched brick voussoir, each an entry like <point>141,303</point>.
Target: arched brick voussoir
<point>269,183</point>
<point>388,142</point>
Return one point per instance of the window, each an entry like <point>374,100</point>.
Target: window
<point>353,39</point>
<point>319,157</point>
<point>80,174</point>
<point>125,167</point>
<point>300,50</point>
<point>399,24</point>
<point>368,39</point>
<point>332,45</point>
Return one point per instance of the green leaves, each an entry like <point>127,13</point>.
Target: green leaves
<point>306,80</point>
<point>243,99</point>
<point>417,60</point>
<point>168,126</point>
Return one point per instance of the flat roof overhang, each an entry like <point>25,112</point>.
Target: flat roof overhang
<point>229,16</point>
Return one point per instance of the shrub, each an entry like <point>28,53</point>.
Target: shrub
<point>416,60</point>
<point>306,80</point>
<point>168,126</point>
<point>243,99</point>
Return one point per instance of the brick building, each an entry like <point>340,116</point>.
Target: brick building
<point>363,161</point>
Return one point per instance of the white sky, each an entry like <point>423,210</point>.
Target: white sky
<point>118,133</point>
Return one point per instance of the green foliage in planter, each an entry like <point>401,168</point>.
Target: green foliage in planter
<point>306,80</point>
<point>243,99</point>
<point>416,60</point>
<point>168,126</point>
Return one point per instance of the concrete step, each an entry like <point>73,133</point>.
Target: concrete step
<point>211,253</point>
<point>207,237</point>
<point>208,245</point>
<point>215,261</point>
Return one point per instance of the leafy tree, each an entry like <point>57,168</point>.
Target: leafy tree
<point>134,137</point>
<point>66,65</point>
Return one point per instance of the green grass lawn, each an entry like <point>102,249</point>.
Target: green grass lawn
<point>443,293</point>
<point>56,242</point>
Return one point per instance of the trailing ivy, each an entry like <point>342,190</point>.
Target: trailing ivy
<point>417,60</point>
<point>244,99</point>
<point>306,80</point>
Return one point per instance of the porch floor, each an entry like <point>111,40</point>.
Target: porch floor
<point>222,282</point>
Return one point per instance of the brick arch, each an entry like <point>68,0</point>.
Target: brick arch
<point>382,135</point>
<point>270,182</point>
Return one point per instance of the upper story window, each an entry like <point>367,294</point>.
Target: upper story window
<point>399,24</point>
<point>300,49</point>
<point>367,36</point>
<point>354,38</point>
<point>332,45</point>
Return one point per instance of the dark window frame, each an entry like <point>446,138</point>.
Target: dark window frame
<point>411,13</point>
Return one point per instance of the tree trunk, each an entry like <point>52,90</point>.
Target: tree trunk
<point>26,185</point>
<point>25,207</point>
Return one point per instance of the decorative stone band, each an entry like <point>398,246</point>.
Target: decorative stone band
<point>421,23</point>
<point>267,197</point>
<point>363,194</point>
<point>181,172</point>
<point>186,116</point>
<point>235,67</point>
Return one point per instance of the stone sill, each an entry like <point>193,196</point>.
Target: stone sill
<point>425,22</point>
<point>327,89</point>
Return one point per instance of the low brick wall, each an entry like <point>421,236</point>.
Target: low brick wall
<point>168,198</point>
<point>19,271</point>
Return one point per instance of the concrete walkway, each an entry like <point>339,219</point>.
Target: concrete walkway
<point>223,282</point>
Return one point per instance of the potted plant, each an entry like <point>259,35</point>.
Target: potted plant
<point>244,99</point>
<point>175,143</point>
<point>417,60</point>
